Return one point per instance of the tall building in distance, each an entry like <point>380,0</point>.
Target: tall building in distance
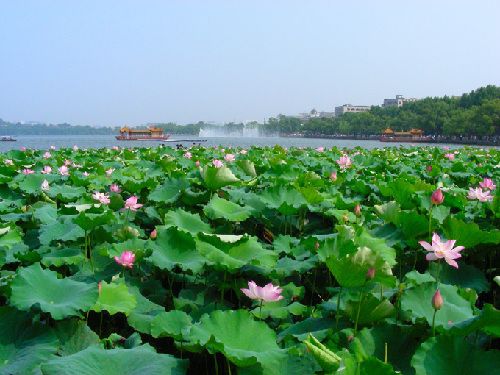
<point>398,102</point>
<point>349,108</point>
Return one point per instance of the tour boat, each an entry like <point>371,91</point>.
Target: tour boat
<point>7,138</point>
<point>413,136</point>
<point>150,134</point>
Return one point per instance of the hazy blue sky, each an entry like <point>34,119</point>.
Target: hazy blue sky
<point>132,62</point>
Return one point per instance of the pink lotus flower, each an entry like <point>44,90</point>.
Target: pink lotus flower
<point>101,197</point>
<point>197,162</point>
<point>45,185</point>
<point>86,173</point>
<point>8,162</point>
<point>115,147</point>
<point>446,148</point>
<point>444,250</point>
<point>52,147</point>
<point>320,149</point>
<point>109,171</point>
<point>437,301</point>
<point>217,163</point>
<point>46,170</point>
<point>269,293</point>
<point>487,184</point>
<point>68,162</point>
<point>63,170</point>
<point>28,171</point>
<point>333,176</point>
<point>229,157</point>
<point>188,155</point>
<point>126,259</point>
<point>243,152</point>
<point>344,162</point>
<point>449,156</point>
<point>23,148</point>
<point>429,168</point>
<point>75,148</point>
<point>437,197</point>
<point>132,204</point>
<point>115,188</point>
<point>47,155</point>
<point>479,194</point>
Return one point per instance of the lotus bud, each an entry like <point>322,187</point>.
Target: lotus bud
<point>153,234</point>
<point>333,177</point>
<point>316,247</point>
<point>345,218</point>
<point>357,210</point>
<point>370,274</point>
<point>437,301</point>
<point>429,168</point>
<point>437,197</point>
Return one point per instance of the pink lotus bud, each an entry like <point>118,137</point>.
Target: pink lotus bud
<point>437,301</point>
<point>197,162</point>
<point>429,168</point>
<point>370,274</point>
<point>316,247</point>
<point>153,234</point>
<point>333,177</point>
<point>437,197</point>
<point>357,210</point>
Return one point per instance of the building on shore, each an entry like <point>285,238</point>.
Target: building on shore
<point>349,108</point>
<point>398,102</point>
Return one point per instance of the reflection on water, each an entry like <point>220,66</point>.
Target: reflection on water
<point>44,142</point>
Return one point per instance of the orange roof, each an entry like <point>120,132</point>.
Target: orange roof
<point>388,131</point>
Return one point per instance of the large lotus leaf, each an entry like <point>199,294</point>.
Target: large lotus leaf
<point>74,336</point>
<point>279,310</point>
<point>239,337</point>
<point>465,276</point>
<point>247,166</point>
<point>63,256</point>
<point>350,271</point>
<point>46,214</point>
<point>32,183</point>
<point>413,224</point>
<point>186,221</point>
<point>488,320</point>
<point>60,231</point>
<point>388,211</point>
<point>133,244</point>
<point>417,301</point>
<point>400,347</point>
<point>287,266</point>
<point>372,309</point>
<point>60,297</point>
<point>171,324</point>
<point>219,208</point>
<point>447,354</point>
<point>143,315</point>
<point>287,200</point>
<point>88,221</point>
<point>97,361</point>
<point>318,327</point>
<point>115,298</point>
<point>363,238</point>
<point>303,364</point>
<point>312,195</point>
<point>24,344</point>
<point>176,248</point>
<point>468,234</point>
<point>215,178</point>
<point>10,237</point>
<point>66,192</point>
<point>235,255</point>
<point>170,191</point>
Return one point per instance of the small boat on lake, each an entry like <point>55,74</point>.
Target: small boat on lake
<point>7,138</point>
<point>150,134</point>
<point>413,136</point>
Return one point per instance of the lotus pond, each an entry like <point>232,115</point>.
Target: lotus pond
<point>259,261</point>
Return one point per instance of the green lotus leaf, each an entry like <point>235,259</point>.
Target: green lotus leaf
<point>372,309</point>
<point>447,354</point>
<point>286,200</point>
<point>47,213</point>
<point>311,194</point>
<point>32,183</point>
<point>60,231</point>
<point>115,298</point>
<point>488,320</point>
<point>171,324</point>
<point>133,244</point>
<point>400,346</point>
<point>497,279</point>
<point>10,237</point>
<point>416,277</point>
<point>350,270</point>
<point>88,221</point>
<point>68,193</point>
<point>219,208</point>
<point>96,361</point>
<point>417,301</point>
<point>63,256</point>
<point>60,297</point>
<point>363,238</point>
<point>287,266</point>
<point>186,221</point>
<point>247,166</point>
<point>235,255</point>
<point>143,315</point>
<point>466,276</point>
<point>389,212</point>
<point>413,224</point>
<point>215,178</point>
<point>176,248</point>
<point>468,234</point>
<point>279,310</point>
<point>74,336</point>
<point>24,344</point>
<point>170,191</point>
<point>241,339</point>
<point>318,327</point>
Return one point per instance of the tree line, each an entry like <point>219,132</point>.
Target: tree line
<point>473,114</point>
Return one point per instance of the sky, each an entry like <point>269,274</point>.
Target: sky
<point>124,62</point>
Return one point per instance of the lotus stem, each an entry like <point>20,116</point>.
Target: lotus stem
<point>260,312</point>
<point>437,272</point>
<point>338,310</point>
<point>228,366</point>
<point>216,365</point>
<point>433,324</point>
<point>359,309</point>
<point>385,356</point>
<point>222,289</point>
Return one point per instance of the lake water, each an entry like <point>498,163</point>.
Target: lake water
<point>43,142</point>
